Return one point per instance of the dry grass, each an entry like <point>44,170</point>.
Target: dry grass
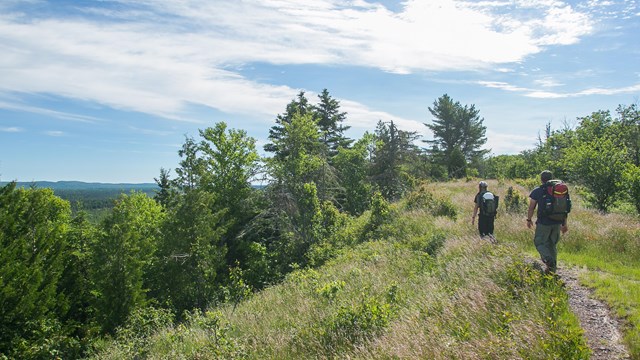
<point>474,300</point>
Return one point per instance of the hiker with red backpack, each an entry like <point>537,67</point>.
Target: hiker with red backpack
<point>487,204</point>
<point>554,204</point>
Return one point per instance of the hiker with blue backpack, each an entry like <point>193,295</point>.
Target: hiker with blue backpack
<point>554,204</point>
<point>486,203</point>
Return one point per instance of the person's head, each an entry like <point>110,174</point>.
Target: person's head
<point>546,176</point>
<point>482,185</point>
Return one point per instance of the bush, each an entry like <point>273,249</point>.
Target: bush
<point>514,202</point>
<point>352,324</point>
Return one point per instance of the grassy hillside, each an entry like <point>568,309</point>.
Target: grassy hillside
<point>425,287</point>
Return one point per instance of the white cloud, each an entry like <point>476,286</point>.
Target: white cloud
<point>534,93</point>
<point>49,113</point>
<point>364,119</point>
<point>547,82</point>
<point>160,57</point>
<point>150,131</point>
<point>501,143</point>
<point>502,85</point>
<point>54,133</point>
<point>12,129</point>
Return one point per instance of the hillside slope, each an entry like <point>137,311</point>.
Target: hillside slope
<point>427,288</point>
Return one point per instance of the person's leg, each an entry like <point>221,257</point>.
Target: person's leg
<point>482,226</point>
<point>490,229</point>
<point>543,244</point>
<point>490,225</point>
<point>554,238</point>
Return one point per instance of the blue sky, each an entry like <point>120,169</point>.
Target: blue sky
<point>105,91</point>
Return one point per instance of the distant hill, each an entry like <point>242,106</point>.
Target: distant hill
<point>79,185</point>
<point>89,196</point>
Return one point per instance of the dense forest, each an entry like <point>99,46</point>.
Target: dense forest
<point>208,236</point>
<point>90,197</point>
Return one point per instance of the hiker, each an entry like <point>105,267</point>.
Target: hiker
<point>487,204</point>
<point>549,222</point>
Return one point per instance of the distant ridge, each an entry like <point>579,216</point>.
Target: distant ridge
<point>80,185</point>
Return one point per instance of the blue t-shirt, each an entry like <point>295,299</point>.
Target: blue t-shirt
<point>536,195</point>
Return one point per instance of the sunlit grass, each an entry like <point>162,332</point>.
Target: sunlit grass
<point>605,246</point>
<point>431,289</point>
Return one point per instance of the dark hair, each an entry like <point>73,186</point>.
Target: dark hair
<point>546,175</point>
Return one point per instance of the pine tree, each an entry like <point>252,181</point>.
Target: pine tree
<point>123,256</point>
<point>164,183</point>
<point>330,123</point>
<point>299,106</point>
<point>456,128</point>
<point>33,231</point>
<point>393,149</point>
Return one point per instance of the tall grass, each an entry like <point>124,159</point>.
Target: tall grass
<point>431,288</point>
<point>606,247</point>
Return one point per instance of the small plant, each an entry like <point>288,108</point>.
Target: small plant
<point>445,207</point>
<point>330,290</point>
<point>514,202</point>
<point>238,289</point>
<point>381,215</point>
<point>355,323</point>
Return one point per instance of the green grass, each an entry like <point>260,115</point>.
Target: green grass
<point>605,247</point>
<point>429,289</point>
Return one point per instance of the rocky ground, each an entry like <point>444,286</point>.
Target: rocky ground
<point>601,328</point>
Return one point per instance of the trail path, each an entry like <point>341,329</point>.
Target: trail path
<point>602,330</point>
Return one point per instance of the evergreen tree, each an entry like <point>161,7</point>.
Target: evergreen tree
<point>191,166</point>
<point>456,128</point>
<point>123,258</point>
<point>330,122</point>
<point>164,183</point>
<point>191,253</point>
<point>352,165</point>
<point>300,106</point>
<point>295,171</point>
<point>75,282</point>
<point>394,148</point>
<point>33,231</point>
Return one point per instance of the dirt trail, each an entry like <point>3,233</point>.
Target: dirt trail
<point>601,328</point>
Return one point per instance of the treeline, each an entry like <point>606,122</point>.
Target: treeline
<point>208,236</point>
<point>602,154</point>
<point>92,199</point>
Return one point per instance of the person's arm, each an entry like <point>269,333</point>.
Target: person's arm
<point>564,228</point>
<point>475,212</point>
<point>532,207</point>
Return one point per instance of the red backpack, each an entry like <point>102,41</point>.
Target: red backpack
<point>555,203</point>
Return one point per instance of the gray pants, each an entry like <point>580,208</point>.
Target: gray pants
<point>546,239</point>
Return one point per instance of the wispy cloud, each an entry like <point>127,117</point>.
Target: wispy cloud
<point>547,82</point>
<point>48,112</point>
<point>159,57</point>
<point>363,118</point>
<point>502,143</point>
<point>11,129</point>
<point>54,133</point>
<point>150,131</point>
<point>534,93</point>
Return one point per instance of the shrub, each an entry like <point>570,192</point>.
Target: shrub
<point>514,202</point>
<point>352,324</point>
